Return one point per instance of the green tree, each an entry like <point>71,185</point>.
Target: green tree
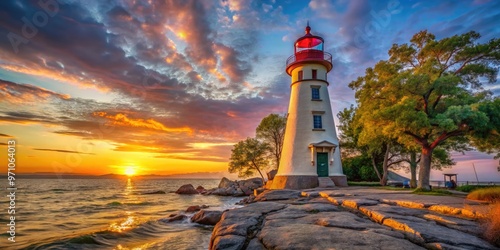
<point>357,137</point>
<point>249,156</point>
<point>430,92</point>
<point>385,153</point>
<point>272,131</point>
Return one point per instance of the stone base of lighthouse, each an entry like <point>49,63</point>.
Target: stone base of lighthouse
<point>304,181</point>
<point>339,180</point>
<point>295,182</point>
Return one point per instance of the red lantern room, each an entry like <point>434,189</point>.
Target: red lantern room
<point>309,49</point>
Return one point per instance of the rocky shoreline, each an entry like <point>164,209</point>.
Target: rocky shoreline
<point>201,214</point>
<point>349,219</point>
<point>226,187</point>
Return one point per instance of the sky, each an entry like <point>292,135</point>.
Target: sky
<point>167,87</point>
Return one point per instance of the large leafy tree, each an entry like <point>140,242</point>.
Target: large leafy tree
<point>249,156</point>
<point>272,131</point>
<point>360,138</point>
<point>430,92</point>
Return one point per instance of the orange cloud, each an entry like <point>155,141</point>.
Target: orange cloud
<point>54,75</point>
<point>122,120</point>
<point>26,93</point>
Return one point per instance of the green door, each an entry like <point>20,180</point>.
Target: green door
<point>322,164</point>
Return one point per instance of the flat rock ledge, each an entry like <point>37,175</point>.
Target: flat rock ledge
<point>290,219</point>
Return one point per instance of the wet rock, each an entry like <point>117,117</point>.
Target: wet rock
<point>175,217</point>
<point>247,200</point>
<point>155,192</point>
<point>207,217</point>
<point>200,189</point>
<point>186,189</point>
<point>236,188</point>
<point>196,208</point>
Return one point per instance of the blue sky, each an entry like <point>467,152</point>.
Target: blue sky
<point>176,83</point>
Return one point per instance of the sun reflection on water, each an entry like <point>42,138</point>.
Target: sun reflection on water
<point>129,187</point>
<point>123,226</point>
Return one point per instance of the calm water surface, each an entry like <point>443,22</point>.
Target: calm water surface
<point>106,214</point>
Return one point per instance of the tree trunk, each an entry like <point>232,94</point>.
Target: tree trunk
<point>385,168</point>
<point>375,168</point>
<point>425,168</point>
<point>262,176</point>
<point>413,170</point>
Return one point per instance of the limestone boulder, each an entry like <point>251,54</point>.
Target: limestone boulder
<point>274,195</point>
<point>251,184</point>
<point>207,217</point>
<point>235,225</point>
<point>186,189</point>
<point>226,183</point>
<point>271,174</point>
<point>228,242</point>
<point>316,229</point>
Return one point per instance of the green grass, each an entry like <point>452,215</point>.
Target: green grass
<point>485,194</point>
<point>435,192</point>
<point>393,188</point>
<point>470,188</point>
<point>363,183</point>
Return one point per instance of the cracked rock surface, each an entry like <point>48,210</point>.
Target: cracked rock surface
<point>336,219</point>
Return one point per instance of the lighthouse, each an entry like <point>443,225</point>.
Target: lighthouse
<point>310,156</point>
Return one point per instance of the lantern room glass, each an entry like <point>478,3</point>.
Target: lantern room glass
<point>309,43</point>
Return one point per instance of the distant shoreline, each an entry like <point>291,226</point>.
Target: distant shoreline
<point>107,176</point>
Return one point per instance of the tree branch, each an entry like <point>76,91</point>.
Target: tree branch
<point>426,100</point>
<point>436,102</point>
<point>445,136</point>
<point>417,138</point>
<point>467,62</point>
<point>396,162</point>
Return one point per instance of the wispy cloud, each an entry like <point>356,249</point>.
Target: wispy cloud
<point>61,151</point>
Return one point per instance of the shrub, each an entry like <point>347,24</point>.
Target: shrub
<point>492,225</point>
<point>359,168</point>
<point>485,194</point>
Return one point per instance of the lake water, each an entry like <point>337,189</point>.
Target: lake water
<point>106,214</point>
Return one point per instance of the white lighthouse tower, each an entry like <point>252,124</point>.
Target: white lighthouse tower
<point>310,155</point>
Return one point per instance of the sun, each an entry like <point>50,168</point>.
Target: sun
<point>129,171</point>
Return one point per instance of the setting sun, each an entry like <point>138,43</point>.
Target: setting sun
<point>129,171</point>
